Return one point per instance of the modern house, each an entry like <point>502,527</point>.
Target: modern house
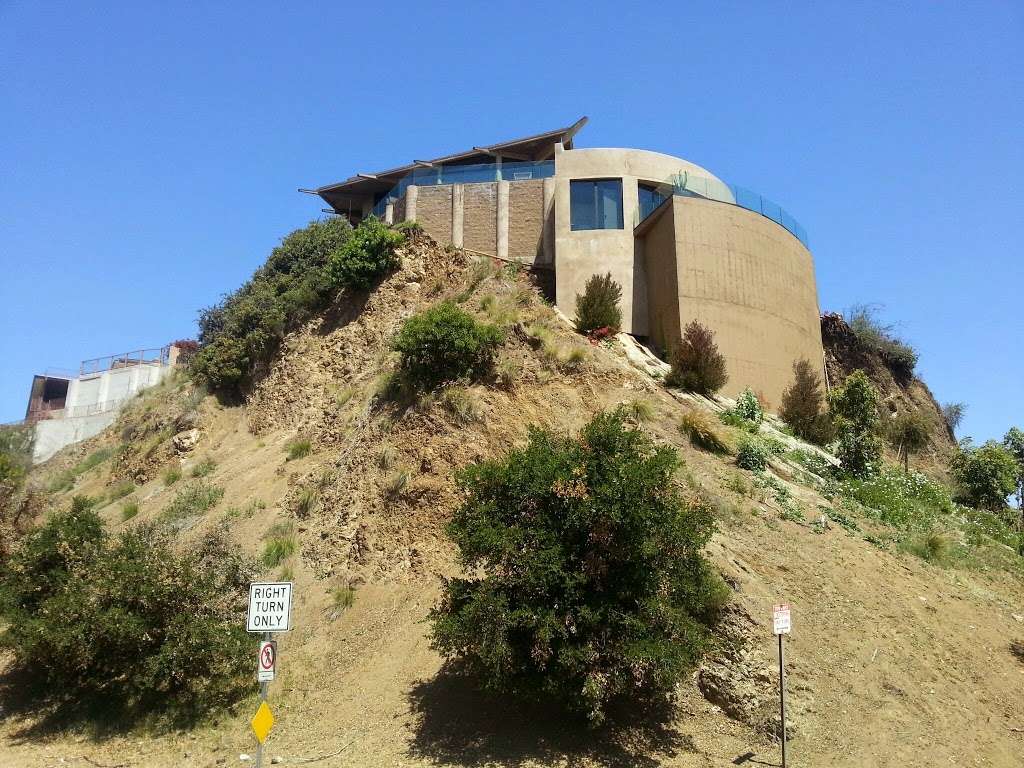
<point>68,407</point>
<point>683,244</point>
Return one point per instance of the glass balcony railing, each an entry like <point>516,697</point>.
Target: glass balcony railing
<point>691,185</point>
<point>466,174</point>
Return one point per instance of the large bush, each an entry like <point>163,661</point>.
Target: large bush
<point>802,405</point>
<point>443,344</point>
<point>125,622</point>
<point>246,327</point>
<point>855,415</point>
<point>588,580</point>
<point>985,475</point>
<point>366,256</point>
<point>598,305</point>
<point>881,337</point>
<point>697,365</point>
<point>1013,441</point>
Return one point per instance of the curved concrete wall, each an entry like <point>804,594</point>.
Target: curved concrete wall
<point>582,253</point>
<point>744,277</point>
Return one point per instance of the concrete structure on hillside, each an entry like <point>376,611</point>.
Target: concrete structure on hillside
<point>67,408</point>
<point>683,244</point>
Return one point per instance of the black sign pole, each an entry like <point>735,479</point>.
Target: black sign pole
<point>781,694</point>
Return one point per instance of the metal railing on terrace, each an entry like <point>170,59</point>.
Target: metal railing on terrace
<point>690,185</point>
<point>467,174</point>
<point>154,356</point>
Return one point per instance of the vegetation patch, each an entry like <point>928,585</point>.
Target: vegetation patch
<point>96,622</point>
<point>697,365</point>
<point>194,498</point>
<point>279,544</point>
<point>598,306</point>
<point>697,426</point>
<point>65,480</point>
<point>298,449</point>
<point>204,467</point>
<point>589,583</point>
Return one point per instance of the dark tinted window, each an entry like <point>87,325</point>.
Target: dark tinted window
<point>595,204</point>
<point>650,198</point>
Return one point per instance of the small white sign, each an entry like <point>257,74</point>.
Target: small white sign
<point>267,664</point>
<point>781,622</point>
<point>270,607</point>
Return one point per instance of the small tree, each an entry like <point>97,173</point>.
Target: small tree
<point>1013,441</point>
<point>443,344</point>
<point>985,475</point>
<point>697,365</point>
<point>598,305</point>
<point>909,433</point>
<point>802,405</point>
<point>855,415</point>
<point>953,413</point>
<point>588,579</point>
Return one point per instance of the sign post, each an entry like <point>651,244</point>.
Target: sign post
<point>270,610</point>
<point>781,623</point>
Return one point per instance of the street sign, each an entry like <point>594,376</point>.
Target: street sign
<point>270,607</point>
<point>267,663</point>
<point>262,722</point>
<point>781,622</point>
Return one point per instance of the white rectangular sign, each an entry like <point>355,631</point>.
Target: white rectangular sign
<point>267,661</point>
<point>270,607</point>
<point>781,619</point>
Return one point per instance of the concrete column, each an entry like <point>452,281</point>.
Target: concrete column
<point>548,240</point>
<point>458,200</point>
<point>502,228</point>
<point>412,194</point>
<point>389,212</point>
<point>497,167</point>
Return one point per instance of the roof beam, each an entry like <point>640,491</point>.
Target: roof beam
<point>502,153</point>
<point>366,176</point>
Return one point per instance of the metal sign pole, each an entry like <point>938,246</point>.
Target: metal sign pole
<point>781,694</point>
<point>267,636</point>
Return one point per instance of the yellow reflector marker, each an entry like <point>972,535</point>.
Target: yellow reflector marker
<point>262,722</point>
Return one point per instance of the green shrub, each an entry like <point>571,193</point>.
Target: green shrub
<point>279,545</point>
<point>589,582</point>
<point>247,326</point>
<point>171,476</point>
<point>855,416</point>
<point>204,467</point>
<point>193,499</point>
<point>697,365</point>
<point>598,305</point>
<point>65,480</point>
<point>752,454</point>
<point>98,620</point>
<point>696,425</point>
<point>899,356</point>
<point>444,344</point>
<point>748,407</point>
<point>802,406</point>
<point>298,449</point>
<point>367,255</point>
<point>985,475</point>
<point>732,419</point>
<point>1013,441</point>
<point>129,510</point>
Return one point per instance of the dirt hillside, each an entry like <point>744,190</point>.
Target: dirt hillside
<point>892,661</point>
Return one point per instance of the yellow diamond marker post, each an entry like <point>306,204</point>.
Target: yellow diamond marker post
<point>262,722</point>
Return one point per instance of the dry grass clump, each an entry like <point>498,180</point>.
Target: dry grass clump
<point>306,502</point>
<point>640,411</point>
<point>697,426</point>
<point>298,449</point>
<point>396,483</point>
<point>461,403</point>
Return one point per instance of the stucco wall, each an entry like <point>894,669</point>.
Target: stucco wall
<point>434,211</point>
<point>748,280</point>
<point>480,217</point>
<point>658,248</point>
<point>526,220</point>
<point>582,253</point>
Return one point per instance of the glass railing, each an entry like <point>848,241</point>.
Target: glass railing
<point>691,185</point>
<point>466,174</point>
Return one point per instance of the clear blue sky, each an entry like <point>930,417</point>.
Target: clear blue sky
<point>150,152</point>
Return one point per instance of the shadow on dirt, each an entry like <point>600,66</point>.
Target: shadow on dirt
<point>457,724</point>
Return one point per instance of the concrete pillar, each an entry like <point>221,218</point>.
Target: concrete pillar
<point>497,167</point>
<point>412,194</point>
<point>548,240</point>
<point>458,200</point>
<point>502,228</point>
<point>389,212</point>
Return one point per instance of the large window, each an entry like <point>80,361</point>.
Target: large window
<point>650,198</point>
<point>595,204</point>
